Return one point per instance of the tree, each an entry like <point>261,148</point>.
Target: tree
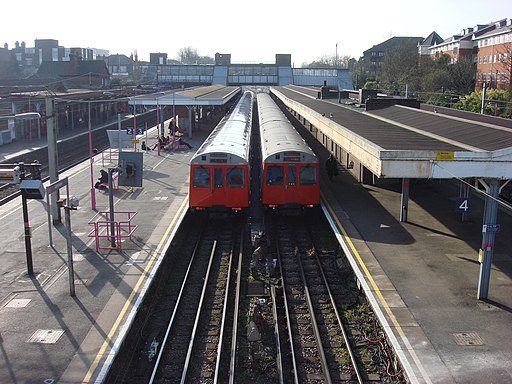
<point>497,103</point>
<point>400,66</point>
<point>189,55</point>
<point>463,75</point>
<point>342,61</point>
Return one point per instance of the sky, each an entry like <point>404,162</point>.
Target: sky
<point>251,31</point>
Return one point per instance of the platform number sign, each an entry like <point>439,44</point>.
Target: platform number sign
<point>462,204</point>
<point>129,131</point>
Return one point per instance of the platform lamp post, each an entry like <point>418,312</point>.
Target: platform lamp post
<point>91,160</point>
<point>52,156</point>
<point>26,224</point>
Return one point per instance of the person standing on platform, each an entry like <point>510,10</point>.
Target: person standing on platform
<point>331,166</point>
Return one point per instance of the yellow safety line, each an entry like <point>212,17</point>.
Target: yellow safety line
<point>372,282</point>
<point>128,302</point>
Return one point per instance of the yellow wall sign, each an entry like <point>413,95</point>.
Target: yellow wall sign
<point>135,141</point>
<point>445,156</point>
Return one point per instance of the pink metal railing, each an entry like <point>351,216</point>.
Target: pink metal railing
<point>102,231</point>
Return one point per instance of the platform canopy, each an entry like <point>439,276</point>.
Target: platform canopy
<point>209,95</point>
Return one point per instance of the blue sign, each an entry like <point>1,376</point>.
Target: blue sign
<point>462,204</point>
<point>491,228</point>
<point>129,131</point>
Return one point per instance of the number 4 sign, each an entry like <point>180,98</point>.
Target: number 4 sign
<point>462,204</point>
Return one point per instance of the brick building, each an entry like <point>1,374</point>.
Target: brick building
<point>494,57</point>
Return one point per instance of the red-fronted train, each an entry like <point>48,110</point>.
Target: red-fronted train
<point>290,170</point>
<point>219,170</point>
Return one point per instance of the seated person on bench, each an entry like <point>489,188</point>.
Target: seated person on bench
<point>102,180</point>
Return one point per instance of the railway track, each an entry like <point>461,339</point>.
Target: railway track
<point>288,317</point>
<point>324,330</point>
<point>188,334</point>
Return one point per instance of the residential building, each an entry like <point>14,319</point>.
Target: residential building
<point>429,41</point>
<point>461,46</point>
<point>494,57</point>
<point>74,73</point>
<point>120,66</point>
<point>373,58</point>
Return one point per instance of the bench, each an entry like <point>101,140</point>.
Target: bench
<point>115,182</point>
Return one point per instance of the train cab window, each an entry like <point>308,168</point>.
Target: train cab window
<point>292,176</point>
<point>217,177</point>
<point>308,176</point>
<point>275,175</point>
<point>235,178</point>
<point>201,178</point>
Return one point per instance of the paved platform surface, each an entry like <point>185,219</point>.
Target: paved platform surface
<point>46,335</point>
<point>423,275</point>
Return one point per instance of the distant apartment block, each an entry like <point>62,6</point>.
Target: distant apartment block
<point>493,57</point>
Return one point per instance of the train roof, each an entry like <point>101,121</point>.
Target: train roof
<point>231,136</point>
<point>278,135</point>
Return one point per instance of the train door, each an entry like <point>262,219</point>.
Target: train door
<point>218,190</point>
<point>292,187</point>
<point>274,185</point>
<point>309,188</point>
<point>200,191</point>
<point>237,189</point>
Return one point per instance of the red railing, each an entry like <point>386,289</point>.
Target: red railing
<point>111,234</point>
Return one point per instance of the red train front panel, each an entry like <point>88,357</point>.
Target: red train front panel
<point>219,186</point>
<point>290,185</point>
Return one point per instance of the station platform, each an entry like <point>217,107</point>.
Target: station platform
<point>422,274</point>
<point>48,336</point>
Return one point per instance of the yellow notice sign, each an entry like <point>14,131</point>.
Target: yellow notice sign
<point>135,141</point>
<point>481,255</point>
<point>444,156</point>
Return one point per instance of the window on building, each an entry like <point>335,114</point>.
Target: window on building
<point>484,77</point>
<point>503,77</point>
<point>485,59</point>
<point>19,57</point>
<point>494,58</point>
<point>499,57</point>
<point>505,57</point>
<point>381,54</point>
<point>490,59</point>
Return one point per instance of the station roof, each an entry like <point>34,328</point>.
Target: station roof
<point>399,141</point>
<point>208,95</point>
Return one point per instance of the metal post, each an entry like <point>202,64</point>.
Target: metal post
<point>118,134</point>
<point>67,214</point>
<point>189,121</point>
<point>484,92</point>
<point>26,226</point>
<point>52,155</point>
<point>111,207</point>
<point>490,215</point>
<point>404,200</point>
<point>134,126</point>
<point>91,160</point>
